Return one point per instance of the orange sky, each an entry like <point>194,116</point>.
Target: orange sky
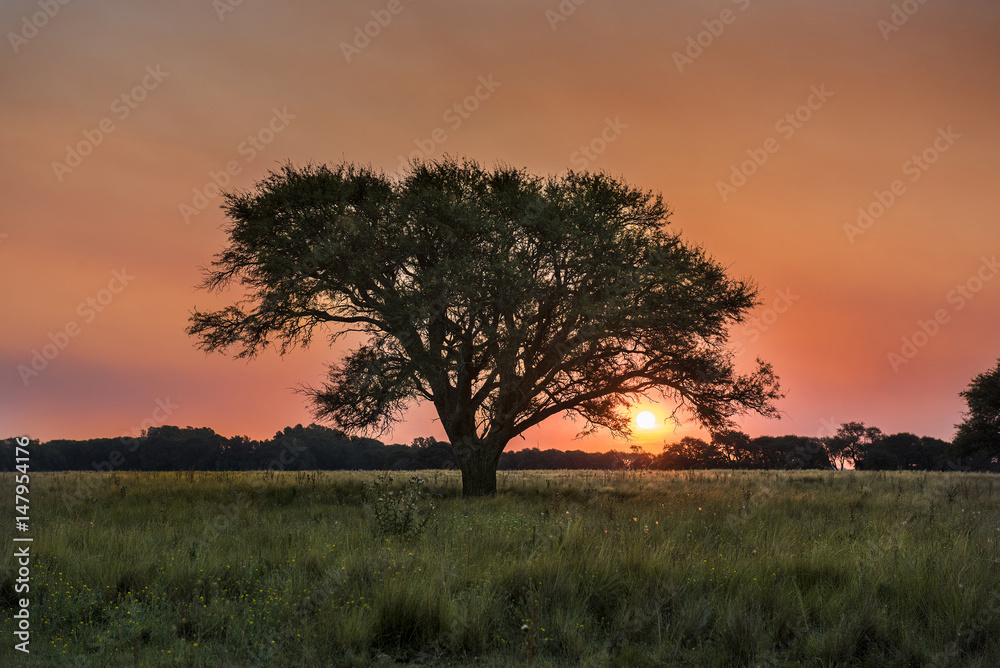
<point>153,98</point>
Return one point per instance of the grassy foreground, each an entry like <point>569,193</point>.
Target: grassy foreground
<point>560,569</point>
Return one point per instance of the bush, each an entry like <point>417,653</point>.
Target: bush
<point>398,512</point>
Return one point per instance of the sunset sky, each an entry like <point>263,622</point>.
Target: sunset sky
<point>767,125</point>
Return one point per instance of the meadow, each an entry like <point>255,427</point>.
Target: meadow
<point>706,568</point>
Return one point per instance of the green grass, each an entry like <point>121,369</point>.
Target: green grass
<point>650,569</point>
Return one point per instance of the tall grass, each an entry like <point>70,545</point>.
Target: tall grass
<point>559,569</point>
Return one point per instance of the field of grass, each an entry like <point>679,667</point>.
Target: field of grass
<point>560,569</point>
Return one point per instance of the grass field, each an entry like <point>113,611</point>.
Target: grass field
<point>560,569</point>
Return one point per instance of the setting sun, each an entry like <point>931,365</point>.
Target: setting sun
<point>645,420</point>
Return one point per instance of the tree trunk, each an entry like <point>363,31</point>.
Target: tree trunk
<point>478,461</point>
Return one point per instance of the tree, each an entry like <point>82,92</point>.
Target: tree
<point>980,432</point>
<point>690,453</point>
<point>783,452</point>
<point>433,454</point>
<point>501,297</point>
<point>734,446</point>
<point>637,459</point>
<point>851,442</point>
<point>904,451</point>
<point>803,452</point>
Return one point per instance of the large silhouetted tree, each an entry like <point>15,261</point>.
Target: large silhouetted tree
<point>980,432</point>
<point>501,297</point>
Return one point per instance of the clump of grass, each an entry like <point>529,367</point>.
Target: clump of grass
<point>398,512</point>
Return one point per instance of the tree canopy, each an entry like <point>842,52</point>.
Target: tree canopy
<point>979,433</point>
<point>502,297</point>
<point>850,443</point>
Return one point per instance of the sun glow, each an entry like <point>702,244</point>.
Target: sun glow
<point>645,420</point>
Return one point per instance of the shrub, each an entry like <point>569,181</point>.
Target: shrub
<point>398,512</point>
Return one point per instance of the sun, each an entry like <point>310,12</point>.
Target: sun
<point>645,420</point>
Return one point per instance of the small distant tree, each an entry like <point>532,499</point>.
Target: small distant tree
<point>979,434</point>
<point>849,444</point>
<point>501,297</point>
<point>637,459</point>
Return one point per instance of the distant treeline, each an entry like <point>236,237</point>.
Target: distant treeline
<point>169,448</point>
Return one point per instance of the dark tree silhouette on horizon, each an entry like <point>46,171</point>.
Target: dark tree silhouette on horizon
<point>850,442</point>
<point>979,433</point>
<point>502,297</point>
